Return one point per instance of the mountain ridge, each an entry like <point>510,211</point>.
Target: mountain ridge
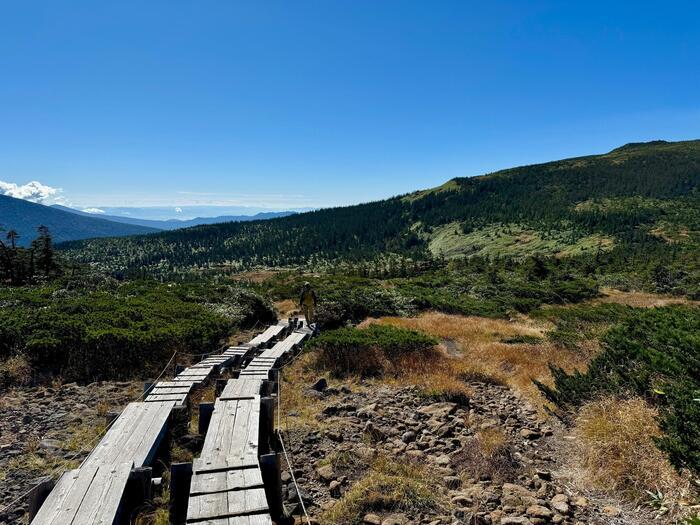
<point>174,224</point>
<point>538,199</point>
<point>25,217</point>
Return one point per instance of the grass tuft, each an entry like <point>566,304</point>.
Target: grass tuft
<point>618,450</point>
<point>490,454</point>
<point>389,486</point>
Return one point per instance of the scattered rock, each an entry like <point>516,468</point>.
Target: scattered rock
<point>320,385</point>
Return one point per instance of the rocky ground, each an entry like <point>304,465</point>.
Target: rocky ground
<point>523,484</point>
<point>43,429</point>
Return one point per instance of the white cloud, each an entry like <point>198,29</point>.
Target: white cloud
<point>178,210</point>
<point>93,210</point>
<point>33,191</point>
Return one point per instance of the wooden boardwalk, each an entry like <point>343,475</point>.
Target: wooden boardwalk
<point>93,494</point>
<point>227,482</point>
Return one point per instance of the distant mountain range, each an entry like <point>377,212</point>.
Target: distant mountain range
<point>68,224</point>
<point>174,224</point>
<point>25,217</point>
<point>639,197</point>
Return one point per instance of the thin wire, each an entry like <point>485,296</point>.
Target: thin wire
<point>290,461</point>
<point>104,431</point>
<point>82,449</point>
<point>294,479</point>
<point>120,413</point>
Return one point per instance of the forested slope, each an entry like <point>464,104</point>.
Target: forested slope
<point>643,197</point>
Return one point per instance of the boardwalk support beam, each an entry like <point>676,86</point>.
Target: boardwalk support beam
<point>38,495</point>
<point>270,470</point>
<point>205,412</point>
<point>137,490</point>
<point>180,478</point>
<point>267,425</point>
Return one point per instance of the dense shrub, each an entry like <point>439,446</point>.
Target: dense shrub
<point>117,331</point>
<point>654,354</point>
<point>369,351</point>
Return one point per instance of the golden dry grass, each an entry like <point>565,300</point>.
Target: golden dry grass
<point>254,276</point>
<point>435,374</point>
<point>389,485</point>
<point>489,453</point>
<point>15,371</point>
<point>296,378</point>
<point>286,308</point>
<point>615,439</point>
<point>640,299</point>
<point>483,352</point>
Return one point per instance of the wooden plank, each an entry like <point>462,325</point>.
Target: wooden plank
<point>227,504</point>
<point>134,436</point>
<point>102,499</point>
<point>241,389</point>
<point>223,481</point>
<point>56,499</point>
<point>170,384</point>
<point>203,465</point>
<point>115,437</point>
<point>61,511</point>
<point>156,398</point>
<point>188,372</point>
<point>251,519</point>
<point>232,439</point>
<point>164,391</point>
<point>192,379</point>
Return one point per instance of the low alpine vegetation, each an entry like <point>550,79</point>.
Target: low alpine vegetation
<point>653,354</point>
<point>370,351</point>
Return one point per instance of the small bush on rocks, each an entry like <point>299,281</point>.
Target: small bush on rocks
<point>490,456</point>
<point>15,371</point>
<point>390,485</point>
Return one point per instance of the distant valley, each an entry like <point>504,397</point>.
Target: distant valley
<point>69,224</point>
<point>174,224</point>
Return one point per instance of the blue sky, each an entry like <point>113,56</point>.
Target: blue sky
<point>286,104</point>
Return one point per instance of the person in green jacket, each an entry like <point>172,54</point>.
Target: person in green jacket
<point>307,302</point>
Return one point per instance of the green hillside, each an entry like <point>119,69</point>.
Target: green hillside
<point>637,199</point>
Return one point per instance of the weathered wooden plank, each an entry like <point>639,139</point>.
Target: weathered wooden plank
<point>171,384</point>
<point>64,514</point>
<point>194,371</point>
<point>251,519</point>
<point>241,389</point>
<point>56,499</point>
<point>194,380</point>
<point>102,499</point>
<point>164,391</point>
<point>156,398</point>
<point>227,504</point>
<point>222,464</point>
<point>115,437</point>
<point>134,436</point>
<point>223,481</point>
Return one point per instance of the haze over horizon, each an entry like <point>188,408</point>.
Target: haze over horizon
<point>284,107</point>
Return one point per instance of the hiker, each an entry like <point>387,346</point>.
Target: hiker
<point>307,302</point>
